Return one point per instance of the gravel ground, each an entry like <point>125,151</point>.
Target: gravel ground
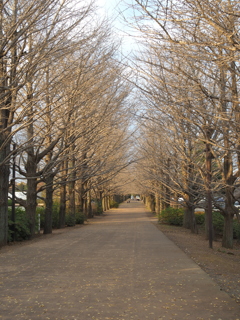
<point>118,263</point>
<point>223,265</point>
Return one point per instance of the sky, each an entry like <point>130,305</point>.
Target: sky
<point>112,9</point>
<point>108,5</point>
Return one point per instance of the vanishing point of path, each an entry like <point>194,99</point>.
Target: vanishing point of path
<point>119,266</point>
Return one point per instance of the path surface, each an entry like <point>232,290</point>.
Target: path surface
<point>120,266</point>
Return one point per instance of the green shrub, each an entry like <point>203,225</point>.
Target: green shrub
<point>22,231</point>
<point>55,215</point>
<point>41,211</point>
<point>80,218</point>
<point>114,204</point>
<point>171,216</point>
<point>218,222</point>
<point>236,230</point>
<point>70,220</point>
<point>200,218</point>
<point>99,208</point>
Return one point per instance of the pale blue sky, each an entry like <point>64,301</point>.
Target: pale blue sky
<point>112,9</point>
<point>108,4</point>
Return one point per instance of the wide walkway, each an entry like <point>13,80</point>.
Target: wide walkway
<point>120,266</point>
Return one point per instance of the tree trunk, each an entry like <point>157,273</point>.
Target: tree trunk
<point>175,201</point>
<point>31,202</point>
<point>80,192</point>
<point>157,201</point>
<point>4,151</point>
<point>89,206</point>
<point>152,203</point>
<point>187,218</point>
<point>104,203</point>
<point>4,180</point>
<point>49,205</point>
<point>227,240</point>
<point>71,206</point>
<point>63,196</point>
<point>193,225</point>
<point>62,209</point>
<point>167,189</point>
<point>208,212</point>
<point>71,189</point>
<point>100,202</point>
<point>107,202</point>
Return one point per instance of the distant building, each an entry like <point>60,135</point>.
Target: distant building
<point>18,194</point>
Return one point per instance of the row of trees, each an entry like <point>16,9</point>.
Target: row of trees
<point>62,96</point>
<point>188,76</point>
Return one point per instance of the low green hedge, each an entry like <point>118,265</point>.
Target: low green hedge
<point>114,204</point>
<point>22,230</point>
<point>79,219</point>
<point>218,224</point>
<point>69,220</point>
<point>173,216</point>
<point>200,218</point>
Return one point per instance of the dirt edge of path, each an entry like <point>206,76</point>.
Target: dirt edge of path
<point>222,265</point>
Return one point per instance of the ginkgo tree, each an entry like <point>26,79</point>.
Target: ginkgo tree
<point>196,43</point>
<point>63,96</point>
<point>30,32</point>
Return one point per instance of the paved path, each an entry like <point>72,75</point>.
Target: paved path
<point>120,266</point>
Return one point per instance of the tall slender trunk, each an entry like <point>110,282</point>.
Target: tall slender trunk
<point>31,202</point>
<point>189,221</point>
<point>80,192</point>
<point>4,146</point>
<point>187,213</point>
<point>89,205</point>
<point>208,213</point>
<point>228,177</point>
<point>227,239</point>
<point>167,189</point>
<point>161,199</point>
<point>157,201</point>
<point>4,180</point>
<point>100,201</point>
<point>151,203</point>
<point>71,205</point>
<point>7,107</point>
<point>104,203</point>
<point>49,204</point>
<point>63,196</point>
<point>50,176</point>
<point>31,166</point>
<point>62,209</point>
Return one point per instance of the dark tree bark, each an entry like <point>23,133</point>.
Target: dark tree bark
<point>63,196</point>
<point>208,213</point>
<point>49,204</point>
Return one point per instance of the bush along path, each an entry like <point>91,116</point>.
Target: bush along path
<point>172,216</point>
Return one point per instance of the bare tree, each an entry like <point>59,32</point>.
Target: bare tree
<point>187,31</point>
<point>18,21</point>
